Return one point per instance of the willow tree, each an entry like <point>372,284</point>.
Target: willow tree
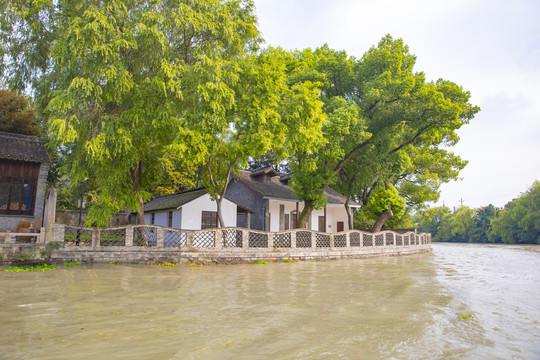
<point>122,82</point>
<point>397,111</point>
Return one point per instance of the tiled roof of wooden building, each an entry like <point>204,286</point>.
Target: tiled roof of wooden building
<point>22,147</point>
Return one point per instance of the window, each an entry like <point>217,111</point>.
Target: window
<point>209,220</point>
<point>18,184</point>
<point>169,222</point>
<point>153,219</point>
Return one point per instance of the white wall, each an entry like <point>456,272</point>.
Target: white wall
<point>192,211</point>
<point>290,206</point>
<point>188,217</point>
<point>162,218</point>
<point>334,213</point>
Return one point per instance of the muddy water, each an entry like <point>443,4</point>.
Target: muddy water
<point>391,308</point>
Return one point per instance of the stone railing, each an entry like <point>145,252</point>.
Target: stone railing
<point>231,239</point>
<point>23,237</point>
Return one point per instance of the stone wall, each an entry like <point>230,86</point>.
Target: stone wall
<point>71,217</point>
<point>150,244</point>
<point>152,256</point>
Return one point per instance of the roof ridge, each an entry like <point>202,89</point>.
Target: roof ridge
<point>181,192</point>
<point>20,136</point>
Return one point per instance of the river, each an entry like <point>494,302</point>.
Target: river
<point>460,302</point>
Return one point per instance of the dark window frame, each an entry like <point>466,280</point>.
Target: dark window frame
<point>209,219</point>
<point>21,175</point>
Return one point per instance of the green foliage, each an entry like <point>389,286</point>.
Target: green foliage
<point>124,84</point>
<point>16,116</point>
<point>517,223</point>
<point>35,268</point>
<point>261,262</point>
<point>383,199</point>
<point>430,221</point>
<point>266,115</point>
<point>384,125</point>
<point>71,264</point>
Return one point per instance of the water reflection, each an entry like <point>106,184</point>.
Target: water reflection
<point>394,307</point>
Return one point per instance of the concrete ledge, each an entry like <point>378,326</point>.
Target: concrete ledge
<point>142,255</point>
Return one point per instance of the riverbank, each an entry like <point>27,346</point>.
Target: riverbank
<point>149,244</point>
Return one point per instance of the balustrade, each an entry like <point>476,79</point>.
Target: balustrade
<point>152,236</point>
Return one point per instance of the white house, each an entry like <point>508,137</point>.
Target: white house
<point>259,200</point>
<point>190,210</point>
<point>276,208</point>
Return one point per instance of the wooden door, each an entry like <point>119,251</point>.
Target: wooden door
<point>322,224</point>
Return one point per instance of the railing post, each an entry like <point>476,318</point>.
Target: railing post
<point>129,236</point>
<point>189,240</point>
<point>218,239</point>
<point>348,239</point>
<point>331,241</point>
<point>95,237</point>
<point>160,235</point>
<point>7,238</point>
<point>245,239</point>
<point>313,239</point>
<point>59,231</point>
<point>293,239</point>
<point>270,240</point>
<point>41,238</point>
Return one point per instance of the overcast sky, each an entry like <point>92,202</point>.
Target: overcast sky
<point>490,47</point>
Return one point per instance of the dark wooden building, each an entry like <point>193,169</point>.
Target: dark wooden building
<point>24,164</point>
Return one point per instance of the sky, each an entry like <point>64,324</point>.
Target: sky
<point>489,47</point>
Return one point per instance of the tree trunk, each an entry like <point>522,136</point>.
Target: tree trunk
<point>349,213</point>
<point>140,212</point>
<point>221,223</point>
<point>382,219</point>
<point>136,177</point>
<point>305,214</point>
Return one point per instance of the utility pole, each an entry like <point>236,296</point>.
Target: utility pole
<point>461,201</point>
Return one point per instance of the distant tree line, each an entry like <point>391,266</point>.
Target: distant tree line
<point>517,223</point>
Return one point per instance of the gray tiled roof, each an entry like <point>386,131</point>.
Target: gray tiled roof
<point>22,147</point>
<point>279,190</point>
<point>173,201</point>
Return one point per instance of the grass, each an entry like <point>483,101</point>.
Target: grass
<point>166,264</point>
<point>35,268</point>
<point>70,264</point>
